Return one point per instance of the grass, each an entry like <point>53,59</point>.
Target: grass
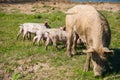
<point>17,57</point>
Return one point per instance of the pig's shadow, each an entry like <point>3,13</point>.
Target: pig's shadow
<point>114,61</point>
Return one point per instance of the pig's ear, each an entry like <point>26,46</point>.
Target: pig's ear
<point>91,50</point>
<point>46,23</point>
<point>107,51</point>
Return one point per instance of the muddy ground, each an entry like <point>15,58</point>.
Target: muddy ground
<point>39,7</point>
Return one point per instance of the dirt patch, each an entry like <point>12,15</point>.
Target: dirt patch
<point>27,68</point>
<point>108,6</point>
<point>38,7</point>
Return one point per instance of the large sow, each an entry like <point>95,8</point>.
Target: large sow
<point>93,28</point>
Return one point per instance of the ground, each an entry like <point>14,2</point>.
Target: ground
<point>50,7</point>
<point>22,61</point>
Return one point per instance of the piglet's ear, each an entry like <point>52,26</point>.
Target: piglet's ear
<point>106,50</point>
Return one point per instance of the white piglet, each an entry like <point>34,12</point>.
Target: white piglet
<point>28,28</point>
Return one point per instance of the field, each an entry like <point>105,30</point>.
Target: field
<point>20,60</point>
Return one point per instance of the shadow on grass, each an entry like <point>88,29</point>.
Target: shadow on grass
<point>114,61</point>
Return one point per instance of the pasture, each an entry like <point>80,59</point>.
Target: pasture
<point>20,60</point>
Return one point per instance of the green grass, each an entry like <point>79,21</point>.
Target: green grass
<point>60,67</point>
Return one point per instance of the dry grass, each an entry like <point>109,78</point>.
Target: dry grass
<point>38,7</point>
